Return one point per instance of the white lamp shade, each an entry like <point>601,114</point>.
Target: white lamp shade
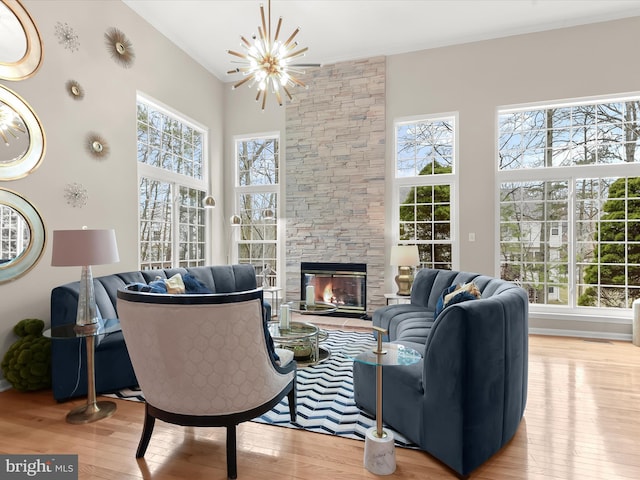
<point>405,255</point>
<point>72,248</point>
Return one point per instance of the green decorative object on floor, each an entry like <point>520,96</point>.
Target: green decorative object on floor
<point>27,363</point>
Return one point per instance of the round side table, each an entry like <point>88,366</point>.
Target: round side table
<point>92,410</point>
<point>379,446</point>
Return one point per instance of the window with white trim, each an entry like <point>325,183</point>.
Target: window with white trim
<point>257,202</point>
<point>569,178</point>
<point>172,186</point>
<point>424,185</point>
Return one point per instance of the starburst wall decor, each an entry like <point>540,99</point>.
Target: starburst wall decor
<point>76,195</point>
<point>67,36</point>
<point>97,146</point>
<point>120,47</point>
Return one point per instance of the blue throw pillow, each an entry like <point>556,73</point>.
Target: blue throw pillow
<point>193,285</point>
<point>440,305</point>
<point>157,286</point>
<point>463,296</point>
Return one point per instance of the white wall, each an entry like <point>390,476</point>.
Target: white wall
<point>160,70</point>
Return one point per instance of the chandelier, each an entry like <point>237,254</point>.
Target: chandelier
<point>266,61</point>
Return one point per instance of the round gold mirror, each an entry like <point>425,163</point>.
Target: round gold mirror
<point>20,42</point>
<point>23,236</point>
<point>22,140</point>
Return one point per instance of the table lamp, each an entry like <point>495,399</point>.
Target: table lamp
<point>83,248</point>
<point>404,257</point>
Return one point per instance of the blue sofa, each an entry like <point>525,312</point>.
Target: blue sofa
<point>465,399</point>
<point>113,370</point>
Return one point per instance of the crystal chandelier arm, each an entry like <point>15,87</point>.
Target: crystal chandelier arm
<point>278,96</point>
<point>241,55</point>
<point>295,32</point>
<point>264,24</point>
<point>295,54</point>
<point>243,81</point>
<point>275,39</point>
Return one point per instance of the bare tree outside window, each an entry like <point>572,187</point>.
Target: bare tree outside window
<point>171,189</point>
<point>571,241</point>
<point>424,177</point>
<point>257,193</point>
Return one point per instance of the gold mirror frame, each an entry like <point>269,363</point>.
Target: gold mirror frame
<point>27,163</point>
<point>32,59</point>
<point>27,259</point>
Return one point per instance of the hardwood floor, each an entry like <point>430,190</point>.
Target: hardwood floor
<point>582,422</point>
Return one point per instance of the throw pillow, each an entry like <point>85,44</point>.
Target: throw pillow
<point>456,294</point>
<point>441,303</point>
<point>175,284</point>
<point>192,285</point>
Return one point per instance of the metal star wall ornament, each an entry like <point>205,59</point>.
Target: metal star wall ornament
<point>76,195</point>
<point>97,146</point>
<point>75,90</point>
<point>67,36</point>
<point>120,47</point>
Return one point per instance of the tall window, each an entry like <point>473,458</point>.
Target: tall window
<point>425,179</point>
<point>172,185</point>
<point>257,194</point>
<point>570,202</point>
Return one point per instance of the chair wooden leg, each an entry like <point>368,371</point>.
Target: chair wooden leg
<point>232,461</point>
<point>147,430</point>
<point>292,404</point>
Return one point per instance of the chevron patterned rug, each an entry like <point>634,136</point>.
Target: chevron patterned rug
<point>325,394</point>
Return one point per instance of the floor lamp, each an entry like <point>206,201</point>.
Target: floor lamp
<point>83,248</point>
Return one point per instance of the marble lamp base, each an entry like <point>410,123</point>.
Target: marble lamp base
<point>379,452</point>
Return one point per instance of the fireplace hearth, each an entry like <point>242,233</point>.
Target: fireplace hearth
<point>344,284</point>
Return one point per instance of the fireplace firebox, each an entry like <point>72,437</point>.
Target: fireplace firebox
<point>344,284</point>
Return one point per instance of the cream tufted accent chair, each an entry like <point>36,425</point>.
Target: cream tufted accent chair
<point>203,360</point>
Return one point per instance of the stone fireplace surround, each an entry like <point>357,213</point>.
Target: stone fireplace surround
<point>335,173</point>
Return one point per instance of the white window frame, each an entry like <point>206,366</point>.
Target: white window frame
<point>276,189</point>
<point>569,174</point>
<point>450,179</point>
<point>175,179</point>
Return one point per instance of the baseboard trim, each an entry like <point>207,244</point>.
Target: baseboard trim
<point>581,334</point>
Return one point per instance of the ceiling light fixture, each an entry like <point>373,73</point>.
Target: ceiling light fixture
<point>267,61</point>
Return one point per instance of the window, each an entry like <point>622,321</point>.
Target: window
<point>15,234</point>
<point>570,202</point>
<point>257,197</point>
<point>424,181</point>
<point>172,185</point>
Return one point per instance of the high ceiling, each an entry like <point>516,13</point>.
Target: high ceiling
<point>340,30</point>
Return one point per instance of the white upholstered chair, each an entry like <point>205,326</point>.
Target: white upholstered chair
<point>204,360</point>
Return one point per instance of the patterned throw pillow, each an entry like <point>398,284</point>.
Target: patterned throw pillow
<point>175,284</point>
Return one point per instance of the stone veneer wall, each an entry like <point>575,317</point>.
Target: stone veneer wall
<point>335,172</point>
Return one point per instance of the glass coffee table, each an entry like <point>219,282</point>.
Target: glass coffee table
<point>318,308</point>
<point>303,339</point>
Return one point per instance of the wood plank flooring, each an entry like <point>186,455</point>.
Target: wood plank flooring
<point>582,422</point>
